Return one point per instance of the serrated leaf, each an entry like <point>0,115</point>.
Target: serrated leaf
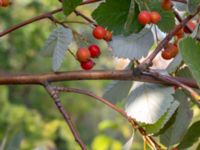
<point>58,42</point>
<point>174,64</point>
<point>117,91</point>
<point>155,128</point>
<point>148,102</point>
<point>193,5</point>
<point>129,143</point>
<point>191,136</point>
<point>190,51</point>
<point>134,46</point>
<point>113,14</point>
<point>183,118</point>
<point>70,5</point>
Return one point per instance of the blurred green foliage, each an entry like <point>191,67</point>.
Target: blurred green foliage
<point>28,116</point>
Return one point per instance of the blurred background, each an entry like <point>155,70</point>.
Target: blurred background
<point>28,116</point>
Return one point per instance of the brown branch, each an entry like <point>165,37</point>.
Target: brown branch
<point>6,79</point>
<point>38,18</point>
<point>178,17</point>
<point>134,124</point>
<point>148,61</point>
<point>54,94</point>
<point>193,93</point>
<point>78,13</point>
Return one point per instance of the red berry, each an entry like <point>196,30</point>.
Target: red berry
<point>180,34</point>
<point>166,54</point>
<point>144,17</point>
<point>166,4</point>
<point>172,48</point>
<point>108,36</point>
<point>83,54</point>
<point>191,25</point>
<point>94,51</point>
<point>155,17</point>
<point>99,32</point>
<point>87,65</point>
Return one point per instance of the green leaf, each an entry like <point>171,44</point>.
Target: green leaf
<point>70,5</point>
<point>190,51</point>
<point>131,13</point>
<point>134,46</point>
<point>58,42</point>
<point>113,14</point>
<point>176,131</point>
<point>114,92</point>
<point>193,5</point>
<point>191,136</point>
<point>155,128</point>
<point>148,102</point>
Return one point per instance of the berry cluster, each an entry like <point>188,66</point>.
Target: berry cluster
<point>101,33</point>
<point>170,51</point>
<point>146,17</point>
<point>85,55</point>
<point>4,3</point>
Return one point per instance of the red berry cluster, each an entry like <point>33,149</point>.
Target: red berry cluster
<point>170,51</point>
<point>101,33</point>
<point>4,3</point>
<point>84,56</point>
<point>146,17</point>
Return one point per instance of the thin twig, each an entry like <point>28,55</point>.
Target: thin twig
<point>54,94</point>
<point>148,61</point>
<point>38,18</point>
<point>134,124</point>
<point>78,13</point>
<point>156,75</point>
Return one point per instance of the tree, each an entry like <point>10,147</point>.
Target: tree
<point>161,90</point>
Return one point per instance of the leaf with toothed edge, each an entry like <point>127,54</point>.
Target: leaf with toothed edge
<point>148,102</point>
<point>58,41</point>
<point>176,131</point>
<point>134,46</point>
<point>155,128</point>
<point>190,51</point>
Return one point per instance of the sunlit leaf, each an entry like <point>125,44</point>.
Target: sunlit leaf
<point>148,102</point>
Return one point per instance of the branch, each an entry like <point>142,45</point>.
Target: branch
<point>193,93</point>
<point>134,124</point>
<point>54,94</point>
<point>6,79</point>
<point>148,61</point>
<point>178,17</point>
<point>40,17</point>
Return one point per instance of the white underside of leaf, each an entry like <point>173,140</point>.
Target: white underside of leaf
<point>134,46</point>
<point>129,143</point>
<point>58,42</point>
<point>148,102</point>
